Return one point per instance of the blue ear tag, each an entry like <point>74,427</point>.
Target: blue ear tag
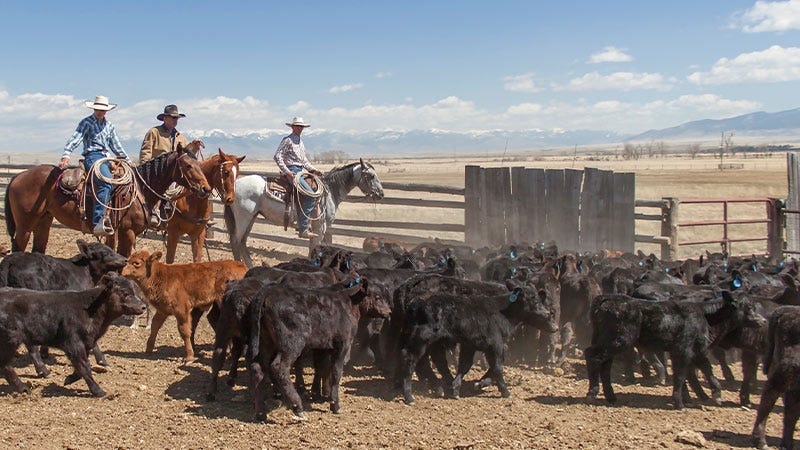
<point>737,283</point>
<point>640,264</point>
<point>442,261</point>
<point>755,268</point>
<point>666,269</point>
<point>580,255</point>
<point>357,280</point>
<point>347,263</point>
<point>381,245</point>
<point>541,246</point>
<point>317,262</point>
<point>319,254</point>
<point>580,267</point>
<point>512,254</point>
<point>781,264</point>
<point>513,297</point>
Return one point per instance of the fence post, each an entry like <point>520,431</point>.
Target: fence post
<point>774,230</point>
<point>473,209</point>
<point>669,227</point>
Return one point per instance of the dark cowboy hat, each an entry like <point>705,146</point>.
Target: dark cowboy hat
<point>170,110</point>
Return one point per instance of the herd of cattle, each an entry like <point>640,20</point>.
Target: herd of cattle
<point>421,310</point>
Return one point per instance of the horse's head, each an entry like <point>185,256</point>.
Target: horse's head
<point>191,174</point>
<point>225,180</point>
<point>368,181</point>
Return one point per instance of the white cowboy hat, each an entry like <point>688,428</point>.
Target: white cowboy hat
<point>297,121</point>
<point>101,103</point>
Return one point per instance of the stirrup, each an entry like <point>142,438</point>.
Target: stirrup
<point>103,229</point>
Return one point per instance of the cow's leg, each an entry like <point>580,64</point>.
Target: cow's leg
<point>749,375</point>
<point>38,363</point>
<point>628,357</point>
<point>679,368</point>
<point>605,377</point>
<point>258,383</point>
<point>465,359</point>
<point>791,412</point>
<point>13,379</point>
<point>185,330</point>
<point>657,365</point>
<point>410,355</point>
<point>426,374</point>
<point>80,362</point>
<point>594,361</point>
<point>158,320</point>
<point>439,358</point>
<point>567,337</point>
<point>495,357</point>
<point>705,366</point>
<point>217,360</point>
<point>338,354</point>
<point>721,357</point>
<point>694,383</point>
<point>769,396</point>
<point>279,371</point>
<point>236,352</point>
<point>197,314</point>
<point>99,356</point>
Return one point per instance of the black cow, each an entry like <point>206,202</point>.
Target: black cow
<point>47,273</point>
<point>287,321</point>
<point>477,323</point>
<point>684,329</point>
<point>782,367</point>
<point>70,320</point>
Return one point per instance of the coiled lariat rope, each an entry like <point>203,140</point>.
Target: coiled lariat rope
<point>317,193</point>
<point>125,179</point>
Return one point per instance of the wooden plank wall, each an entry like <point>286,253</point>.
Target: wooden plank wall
<point>793,202</point>
<point>585,210</point>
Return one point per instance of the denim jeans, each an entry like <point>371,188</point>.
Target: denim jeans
<point>306,201</point>
<point>101,189</point>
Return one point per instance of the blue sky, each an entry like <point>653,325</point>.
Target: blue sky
<point>245,67</point>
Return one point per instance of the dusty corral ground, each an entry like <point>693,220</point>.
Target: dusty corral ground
<point>156,402</point>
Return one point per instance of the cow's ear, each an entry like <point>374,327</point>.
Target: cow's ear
<point>155,256</point>
<point>83,247</point>
<point>727,297</point>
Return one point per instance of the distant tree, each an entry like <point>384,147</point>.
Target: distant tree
<point>661,148</point>
<point>694,149</point>
<point>630,151</point>
<point>330,157</point>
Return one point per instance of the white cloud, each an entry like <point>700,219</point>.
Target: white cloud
<point>521,83</point>
<point>345,88</point>
<point>610,54</point>
<point>771,65</point>
<point>383,74</point>
<point>618,81</point>
<point>770,16</point>
<point>42,123</point>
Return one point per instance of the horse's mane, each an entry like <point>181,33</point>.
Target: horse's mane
<point>154,168</point>
<point>338,174</point>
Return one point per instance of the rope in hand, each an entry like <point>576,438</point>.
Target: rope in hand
<point>125,179</point>
<point>301,190</point>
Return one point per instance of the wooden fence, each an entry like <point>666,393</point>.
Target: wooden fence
<point>588,209</point>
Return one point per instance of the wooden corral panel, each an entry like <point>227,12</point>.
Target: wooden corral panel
<point>623,225</point>
<point>793,203</point>
<point>590,209</point>
<point>497,194</point>
<point>554,198</point>
<point>474,225</point>
<point>571,208</point>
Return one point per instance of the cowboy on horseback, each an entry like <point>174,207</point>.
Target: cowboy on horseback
<point>162,139</point>
<point>99,138</point>
<point>291,158</point>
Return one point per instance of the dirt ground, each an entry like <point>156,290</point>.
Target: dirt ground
<point>157,402</point>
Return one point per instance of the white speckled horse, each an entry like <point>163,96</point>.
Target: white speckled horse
<point>253,198</point>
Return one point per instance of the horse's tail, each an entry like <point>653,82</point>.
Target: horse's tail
<point>230,223</point>
<point>11,225</point>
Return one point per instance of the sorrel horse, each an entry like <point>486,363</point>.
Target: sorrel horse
<point>192,212</point>
<point>253,198</point>
<point>34,199</point>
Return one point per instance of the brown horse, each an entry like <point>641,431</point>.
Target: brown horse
<point>34,199</point>
<point>192,212</point>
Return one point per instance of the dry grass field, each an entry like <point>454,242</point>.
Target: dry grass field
<point>156,402</point>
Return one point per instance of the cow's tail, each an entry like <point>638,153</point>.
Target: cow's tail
<point>769,353</point>
<point>11,224</point>
<point>254,344</point>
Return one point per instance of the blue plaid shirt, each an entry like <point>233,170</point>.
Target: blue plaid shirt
<point>97,136</point>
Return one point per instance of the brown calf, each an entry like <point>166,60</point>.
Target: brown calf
<point>181,290</point>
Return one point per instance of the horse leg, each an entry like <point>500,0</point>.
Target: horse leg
<point>198,239</point>
<point>41,233</point>
<point>172,242</point>
<point>124,242</point>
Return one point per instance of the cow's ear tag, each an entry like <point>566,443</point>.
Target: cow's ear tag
<point>737,282</point>
<point>666,269</point>
<point>513,296</point>
<point>317,262</point>
<point>755,268</point>
<point>640,264</point>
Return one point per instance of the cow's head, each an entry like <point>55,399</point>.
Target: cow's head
<point>377,302</point>
<point>140,264</point>
<point>534,308</point>
<point>100,257</point>
<point>120,295</point>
